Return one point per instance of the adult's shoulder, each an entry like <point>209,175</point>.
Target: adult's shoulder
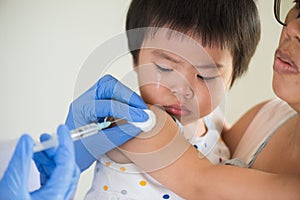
<point>233,136</point>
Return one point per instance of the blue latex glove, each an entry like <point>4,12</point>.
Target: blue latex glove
<point>108,97</point>
<point>62,182</point>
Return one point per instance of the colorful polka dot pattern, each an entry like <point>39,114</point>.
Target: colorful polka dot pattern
<point>123,169</point>
<point>105,187</point>
<point>205,148</point>
<point>124,192</point>
<point>142,183</point>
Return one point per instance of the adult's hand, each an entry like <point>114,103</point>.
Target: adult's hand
<point>62,180</point>
<point>108,97</point>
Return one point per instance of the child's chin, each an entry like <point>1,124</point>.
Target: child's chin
<point>184,120</point>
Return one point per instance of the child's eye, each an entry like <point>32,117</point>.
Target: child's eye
<point>163,69</point>
<point>206,78</point>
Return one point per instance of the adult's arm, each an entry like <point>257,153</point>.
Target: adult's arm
<point>172,161</point>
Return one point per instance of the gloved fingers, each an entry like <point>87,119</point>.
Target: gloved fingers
<point>120,110</point>
<point>107,139</point>
<point>44,160</point>
<point>73,184</point>
<point>44,165</point>
<point>60,190</point>
<point>51,151</point>
<point>65,152</point>
<point>64,160</point>
<point>66,168</point>
<point>17,172</point>
<point>83,110</point>
<point>23,150</point>
<point>93,110</point>
<point>94,104</point>
<point>109,87</point>
<point>118,135</point>
<point>66,172</point>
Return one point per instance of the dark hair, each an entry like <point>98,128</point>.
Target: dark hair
<point>232,24</point>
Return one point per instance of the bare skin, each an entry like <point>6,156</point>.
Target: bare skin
<point>281,154</point>
<point>136,150</point>
<point>165,155</point>
<point>274,175</point>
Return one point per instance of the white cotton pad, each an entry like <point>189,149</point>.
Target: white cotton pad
<point>147,125</point>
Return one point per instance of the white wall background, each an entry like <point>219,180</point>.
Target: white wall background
<point>44,43</point>
<point>256,85</point>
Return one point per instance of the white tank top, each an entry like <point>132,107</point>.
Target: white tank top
<point>266,122</point>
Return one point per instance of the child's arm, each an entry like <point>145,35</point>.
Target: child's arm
<point>145,147</point>
<point>171,160</point>
<point>119,154</point>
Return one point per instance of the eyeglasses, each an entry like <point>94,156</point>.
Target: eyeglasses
<point>285,8</point>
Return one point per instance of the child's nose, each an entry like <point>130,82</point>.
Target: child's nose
<point>182,90</point>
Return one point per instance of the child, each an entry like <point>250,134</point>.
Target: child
<point>175,73</point>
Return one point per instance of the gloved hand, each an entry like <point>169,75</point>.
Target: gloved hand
<point>62,181</point>
<point>108,97</point>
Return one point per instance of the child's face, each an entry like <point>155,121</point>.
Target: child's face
<point>178,75</point>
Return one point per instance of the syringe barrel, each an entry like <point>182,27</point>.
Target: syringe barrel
<point>41,146</point>
<point>84,131</point>
<point>76,134</point>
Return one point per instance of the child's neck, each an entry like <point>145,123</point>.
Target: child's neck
<point>196,128</point>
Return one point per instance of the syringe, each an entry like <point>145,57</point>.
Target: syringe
<point>94,128</point>
<point>76,134</point>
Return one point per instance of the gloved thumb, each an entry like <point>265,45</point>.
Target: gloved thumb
<point>17,172</point>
